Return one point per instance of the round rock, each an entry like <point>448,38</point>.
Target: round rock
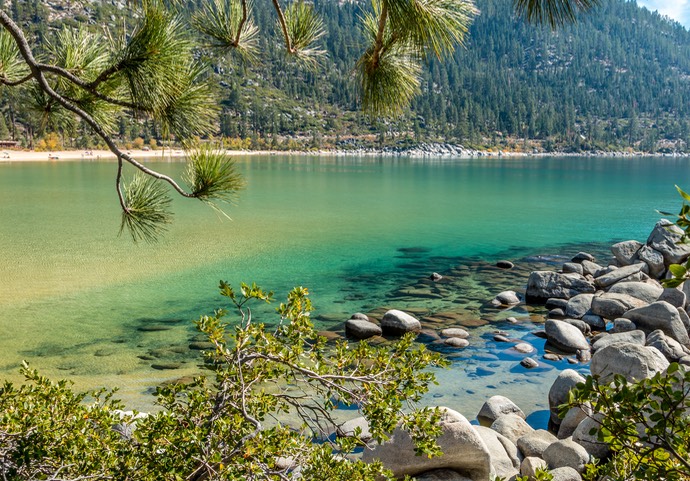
<point>496,407</point>
<point>360,329</point>
<point>398,322</point>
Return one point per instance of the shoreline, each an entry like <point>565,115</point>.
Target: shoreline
<point>422,151</point>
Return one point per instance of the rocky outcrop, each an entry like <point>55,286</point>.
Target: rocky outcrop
<point>543,285</point>
<point>665,239</point>
<point>632,361</point>
<point>660,315</point>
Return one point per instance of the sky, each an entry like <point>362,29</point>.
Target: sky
<point>676,9</point>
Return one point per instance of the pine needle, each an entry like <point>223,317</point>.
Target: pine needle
<point>147,209</point>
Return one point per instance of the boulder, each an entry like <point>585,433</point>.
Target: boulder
<point>495,407</point>
<point>524,348</point>
<point>645,291</point>
<point>565,473</point>
<point>635,337</point>
<point>543,285</point>
<point>590,442</point>
<point>595,322</point>
<point>654,261</point>
<point>535,443</point>
<point>507,298</point>
<point>684,318</point>
<point>632,361</point>
<point>572,420</point>
<point>622,325</point>
<point>511,426</point>
<point>583,256</point>
<point>398,322</point>
<point>558,394</point>
<point>670,348</point>
<point>572,267</point>
<point>617,275</point>
<point>611,306</point>
<point>673,296</point>
<point>579,305</point>
<point>455,332</point>
<point>505,264</point>
<point>566,453</point>
<point>582,326</point>
<point>529,363</point>
<point>565,336</point>
<point>554,303</point>
<point>626,252</point>
<point>591,268</point>
<point>456,342</point>
<point>529,467</point>
<point>503,452</point>
<point>665,238</point>
<point>660,315</point>
<point>360,316</point>
<point>360,329</point>
<point>463,450</point>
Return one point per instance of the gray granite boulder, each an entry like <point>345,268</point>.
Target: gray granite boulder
<point>591,268</point>
<point>632,361</point>
<point>511,426</point>
<point>622,325</point>
<point>535,443</point>
<point>572,267</point>
<point>579,305</point>
<point>503,452</point>
<point>455,332</point>
<point>626,252</point>
<point>582,256</point>
<point>360,329</point>
<point>673,296</point>
<point>645,291</point>
<point>456,342</point>
<point>635,337</point>
<point>441,475</point>
<point>665,239</point>
<point>611,306</point>
<point>589,441</point>
<point>463,450</point>
<point>595,322</point>
<point>654,261</point>
<point>618,275</point>
<point>398,322</point>
<point>495,407</point>
<point>670,348</point>
<point>529,466</point>
<point>565,473</point>
<point>565,336</point>
<point>543,285</point>
<point>349,428</point>
<point>507,298</point>
<point>572,420</point>
<point>660,315</point>
<point>558,394</point>
<point>566,453</point>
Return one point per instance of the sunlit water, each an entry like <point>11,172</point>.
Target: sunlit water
<point>78,301</point>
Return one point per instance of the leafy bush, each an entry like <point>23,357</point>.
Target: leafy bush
<point>646,424</point>
<point>233,423</point>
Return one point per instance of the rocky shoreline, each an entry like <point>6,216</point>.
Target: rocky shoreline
<point>615,319</point>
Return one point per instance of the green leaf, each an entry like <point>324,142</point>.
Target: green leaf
<point>683,194</point>
<point>678,270</point>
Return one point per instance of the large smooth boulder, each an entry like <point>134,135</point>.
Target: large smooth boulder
<point>398,322</point>
<point>495,407</point>
<point>611,306</point>
<point>626,252</point>
<point>566,473</point>
<point>635,337</point>
<point>673,296</point>
<point>360,329</point>
<point>566,453</point>
<point>441,475</point>
<point>618,275</point>
<point>512,427</point>
<point>670,348</point>
<point>572,420</point>
<point>463,450</point>
<point>558,394</point>
<point>543,285</point>
<point>645,291</point>
<point>565,336</point>
<point>579,305</point>
<point>632,361</point>
<point>529,466</point>
<point>665,238</point>
<point>506,298</point>
<point>654,261</point>
<point>590,442</point>
<point>504,454</point>
<point>660,315</point>
<point>591,268</point>
<point>535,443</point>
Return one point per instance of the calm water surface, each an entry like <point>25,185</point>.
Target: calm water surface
<point>77,301</point>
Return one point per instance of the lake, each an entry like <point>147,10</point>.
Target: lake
<point>78,301</point>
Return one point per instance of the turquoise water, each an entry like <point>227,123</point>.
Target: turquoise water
<point>76,300</point>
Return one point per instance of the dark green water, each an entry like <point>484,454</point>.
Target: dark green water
<point>74,296</point>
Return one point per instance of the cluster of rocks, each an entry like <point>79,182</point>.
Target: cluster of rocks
<point>619,314</point>
<point>501,444</point>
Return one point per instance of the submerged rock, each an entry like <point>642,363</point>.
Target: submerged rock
<point>398,322</point>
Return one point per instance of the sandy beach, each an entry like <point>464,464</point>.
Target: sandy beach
<point>56,156</point>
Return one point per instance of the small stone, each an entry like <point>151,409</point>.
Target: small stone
<point>507,298</point>
<point>524,348</point>
<point>501,338</point>
<point>583,256</point>
<point>572,267</point>
<point>166,366</point>
<point>529,363</point>
<point>455,332</point>
<point>435,276</point>
<point>549,356</point>
<point>456,342</point>
<point>202,346</point>
<point>512,320</point>
<point>360,316</point>
<point>504,265</point>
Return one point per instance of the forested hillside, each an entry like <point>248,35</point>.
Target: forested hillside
<point>617,79</point>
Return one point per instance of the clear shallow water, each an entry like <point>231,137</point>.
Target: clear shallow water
<point>74,297</point>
